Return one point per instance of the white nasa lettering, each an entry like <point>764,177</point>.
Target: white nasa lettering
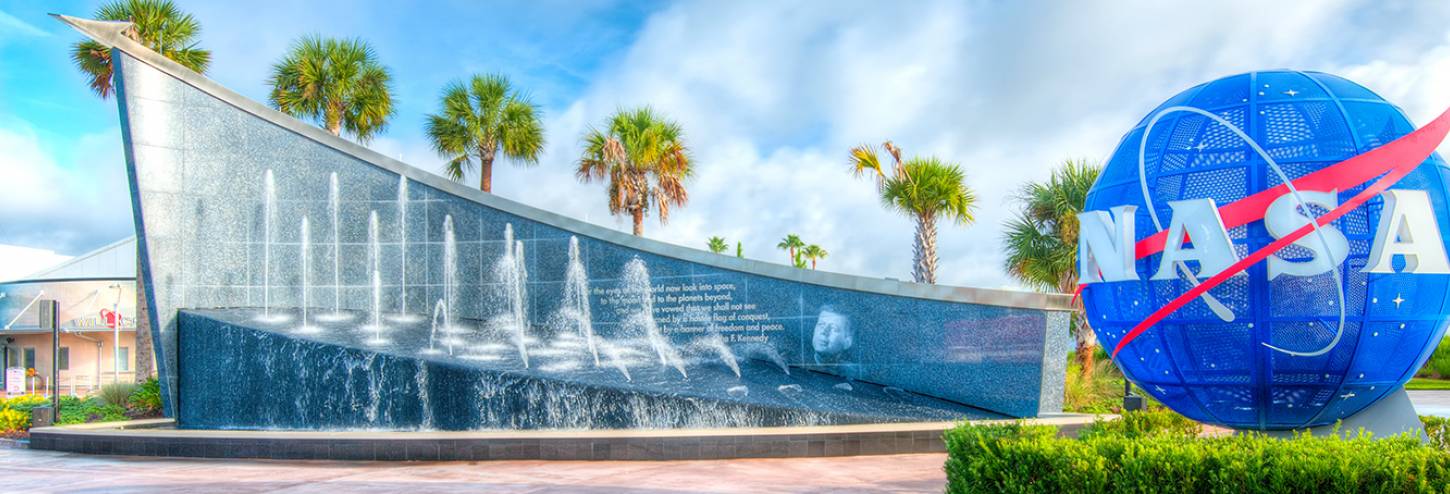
<point>1106,246</point>
<point>1407,228</point>
<point>1199,219</point>
<point>1283,217</point>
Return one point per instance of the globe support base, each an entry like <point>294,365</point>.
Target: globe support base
<point>1390,416</point>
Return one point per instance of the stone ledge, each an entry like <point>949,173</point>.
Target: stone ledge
<point>154,438</point>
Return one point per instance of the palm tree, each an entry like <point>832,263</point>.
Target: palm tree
<point>160,26</point>
<point>789,244</point>
<point>338,83</point>
<point>157,24</point>
<point>1041,241</point>
<point>814,253</point>
<point>718,245</point>
<point>925,189</point>
<point>481,118</point>
<point>739,250</point>
<point>643,156</point>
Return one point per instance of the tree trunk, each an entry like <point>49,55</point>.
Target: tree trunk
<point>485,170</point>
<point>813,264</point>
<point>145,362</point>
<point>1085,342</point>
<point>334,120</point>
<point>925,269</point>
<point>638,222</point>
<point>1086,351</point>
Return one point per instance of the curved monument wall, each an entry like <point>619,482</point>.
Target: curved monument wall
<point>221,186</point>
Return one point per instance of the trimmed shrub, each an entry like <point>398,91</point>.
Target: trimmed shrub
<point>1438,366</point>
<point>1142,424</point>
<point>1438,430</point>
<point>89,410</point>
<point>117,393</point>
<point>15,412</point>
<point>1025,459</point>
<point>147,398</point>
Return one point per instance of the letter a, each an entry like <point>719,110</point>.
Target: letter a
<point>1105,246</point>
<point>1407,228</point>
<point>1199,219</point>
<point>1284,216</point>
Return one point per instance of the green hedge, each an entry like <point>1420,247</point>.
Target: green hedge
<point>1138,457</point>
<point>1438,366</point>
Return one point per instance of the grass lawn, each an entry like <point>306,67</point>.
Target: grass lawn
<point>1425,383</point>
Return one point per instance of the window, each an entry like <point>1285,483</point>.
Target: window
<point>64,358</point>
<point>29,357</point>
<point>125,356</point>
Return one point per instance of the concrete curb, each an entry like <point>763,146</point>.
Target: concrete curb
<point>153,438</point>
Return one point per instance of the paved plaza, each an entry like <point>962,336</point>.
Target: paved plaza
<point>44,471</point>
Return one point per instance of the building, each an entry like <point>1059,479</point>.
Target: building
<point>97,295</point>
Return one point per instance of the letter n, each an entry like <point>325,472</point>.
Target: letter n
<point>1105,247</point>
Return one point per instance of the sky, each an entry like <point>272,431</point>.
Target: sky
<point>771,95</point>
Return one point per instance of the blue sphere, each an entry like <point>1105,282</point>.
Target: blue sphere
<point>1282,360</point>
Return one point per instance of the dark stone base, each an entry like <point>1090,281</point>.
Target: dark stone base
<point>406,446</point>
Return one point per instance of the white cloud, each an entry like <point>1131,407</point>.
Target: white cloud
<point>772,95</point>
<point>16,261</point>
<point>68,200</point>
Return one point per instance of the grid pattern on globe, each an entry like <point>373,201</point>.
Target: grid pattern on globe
<point>1223,372</point>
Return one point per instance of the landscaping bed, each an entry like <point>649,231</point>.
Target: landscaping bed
<point>1159,451</point>
<point>115,402</point>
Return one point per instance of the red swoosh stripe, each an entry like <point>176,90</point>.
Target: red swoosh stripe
<point>1398,158</point>
<point>1344,175</point>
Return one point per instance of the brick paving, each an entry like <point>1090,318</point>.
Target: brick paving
<point>24,470</point>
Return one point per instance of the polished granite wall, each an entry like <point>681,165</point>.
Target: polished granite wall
<point>197,159</point>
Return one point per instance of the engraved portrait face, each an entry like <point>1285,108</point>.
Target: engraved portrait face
<point>833,332</point>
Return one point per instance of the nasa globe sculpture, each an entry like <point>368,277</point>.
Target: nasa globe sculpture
<point>1265,251</point>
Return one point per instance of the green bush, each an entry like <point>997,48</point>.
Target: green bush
<point>15,412</point>
<point>80,411</point>
<point>1152,422</point>
<point>1438,431</point>
<point>1439,364</point>
<point>1157,455</point>
<point>117,393</point>
<point>147,398</point>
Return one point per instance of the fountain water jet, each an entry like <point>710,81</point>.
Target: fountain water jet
<point>510,270</point>
<point>440,309</point>
<point>403,315</point>
<point>334,200</point>
<point>377,317</point>
<point>306,236</point>
<point>637,283</point>
<point>334,207</point>
<point>375,250</point>
<point>269,212</point>
<point>716,343</point>
<point>450,275</point>
<point>575,310</point>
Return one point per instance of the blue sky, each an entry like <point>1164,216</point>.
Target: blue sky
<point>771,95</point>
